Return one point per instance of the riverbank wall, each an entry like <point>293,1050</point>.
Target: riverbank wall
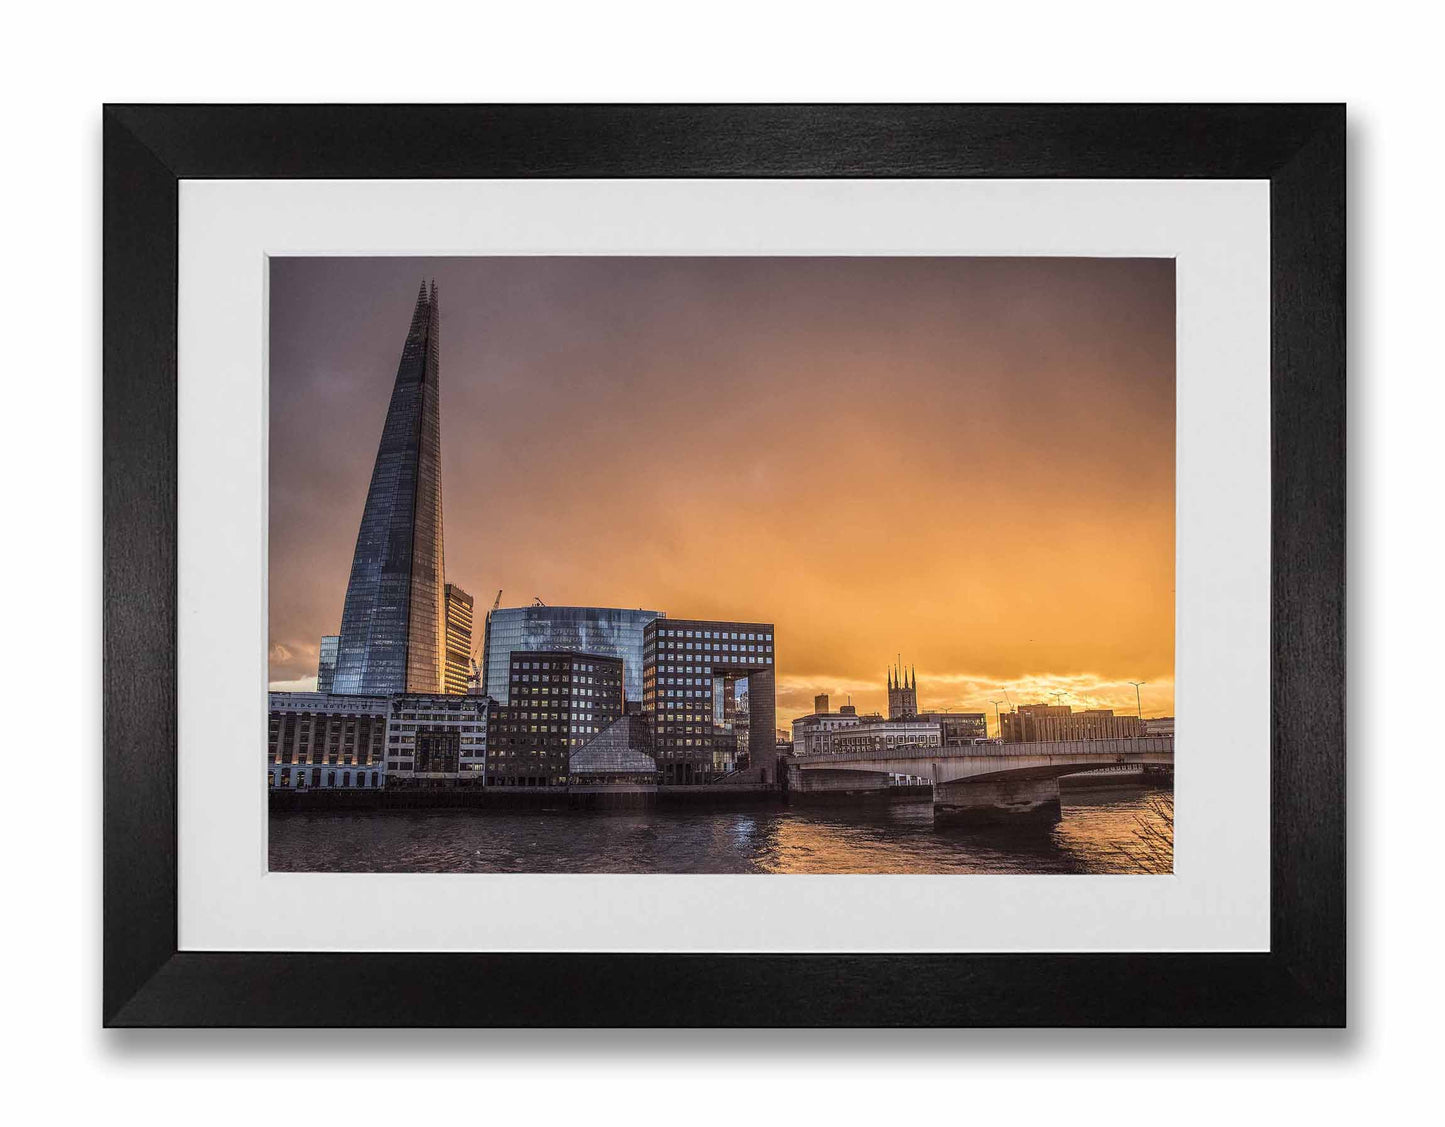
<point>325,800</point>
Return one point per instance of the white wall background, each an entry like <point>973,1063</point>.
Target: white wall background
<point>64,60</point>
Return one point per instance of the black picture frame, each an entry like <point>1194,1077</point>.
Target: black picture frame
<point>1299,149</point>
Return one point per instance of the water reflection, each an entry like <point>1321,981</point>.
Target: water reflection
<point>898,838</point>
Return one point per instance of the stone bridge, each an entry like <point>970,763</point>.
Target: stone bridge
<point>982,782</point>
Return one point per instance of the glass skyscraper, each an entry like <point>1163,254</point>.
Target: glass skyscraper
<point>326,662</point>
<point>393,625</point>
<point>606,631</point>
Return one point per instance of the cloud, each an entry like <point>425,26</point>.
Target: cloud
<point>300,685</point>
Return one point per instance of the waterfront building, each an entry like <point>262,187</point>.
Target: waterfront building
<point>558,701</point>
<point>1032,723</point>
<point>902,693</point>
<point>324,740</point>
<point>618,760</point>
<point>1159,726</point>
<point>691,668</point>
<point>436,739</point>
<point>885,735</point>
<point>458,638</point>
<point>812,735</point>
<point>959,728</point>
<point>393,621</point>
<point>326,662</point>
<point>602,631</point>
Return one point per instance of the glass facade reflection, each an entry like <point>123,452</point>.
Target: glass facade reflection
<point>393,622</point>
<point>606,631</point>
<point>326,662</point>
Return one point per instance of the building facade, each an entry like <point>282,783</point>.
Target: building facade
<point>559,700</point>
<point>885,735</point>
<point>619,758</point>
<point>458,639</point>
<point>323,740</point>
<point>691,667</point>
<point>602,631</point>
<point>1033,723</point>
<point>812,735</point>
<point>902,693</point>
<point>393,622</point>
<point>959,728</point>
<point>436,739</point>
<point>326,662</point>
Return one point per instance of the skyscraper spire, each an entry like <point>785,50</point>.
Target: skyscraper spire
<point>393,623</point>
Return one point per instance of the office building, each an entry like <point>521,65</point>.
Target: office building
<point>458,638</point>
<point>958,728</point>
<point>1032,723</point>
<point>558,701</point>
<point>602,631</point>
<point>691,669</point>
<point>393,621</point>
<point>436,740</point>
<point>885,735</point>
<point>322,740</point>
<point>812,735</point>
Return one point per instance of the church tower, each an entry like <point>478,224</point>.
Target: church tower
<point>902,693</point>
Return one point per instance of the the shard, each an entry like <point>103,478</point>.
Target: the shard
<point>393,626</point>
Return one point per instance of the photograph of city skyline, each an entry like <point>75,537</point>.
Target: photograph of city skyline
<point>726,564</point>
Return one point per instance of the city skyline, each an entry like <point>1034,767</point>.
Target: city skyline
<point>966,460</point>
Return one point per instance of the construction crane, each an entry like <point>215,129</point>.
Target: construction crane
<point>536,602</point>
<point>474,680</point>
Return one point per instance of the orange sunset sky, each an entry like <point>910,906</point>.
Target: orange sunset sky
<point>969,461</point>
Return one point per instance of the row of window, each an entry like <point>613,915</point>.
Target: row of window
<point>315,777</point>
<point>713,635</point>
<point>584,667</point>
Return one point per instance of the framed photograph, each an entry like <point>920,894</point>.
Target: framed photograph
<point>724,565</point>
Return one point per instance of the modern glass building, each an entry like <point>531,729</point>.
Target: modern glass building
<point>393,624</point>
<point>606,631</point>
<point>459,638</point>
<point>326,662</point>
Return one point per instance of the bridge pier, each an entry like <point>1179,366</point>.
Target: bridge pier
<point>994,802</point>
<point>836,786</point>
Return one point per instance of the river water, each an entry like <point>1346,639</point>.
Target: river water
<point>878,838</point>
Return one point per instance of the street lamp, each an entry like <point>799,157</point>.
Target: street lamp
<point>997,722</point>
<point>1138,700</point>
